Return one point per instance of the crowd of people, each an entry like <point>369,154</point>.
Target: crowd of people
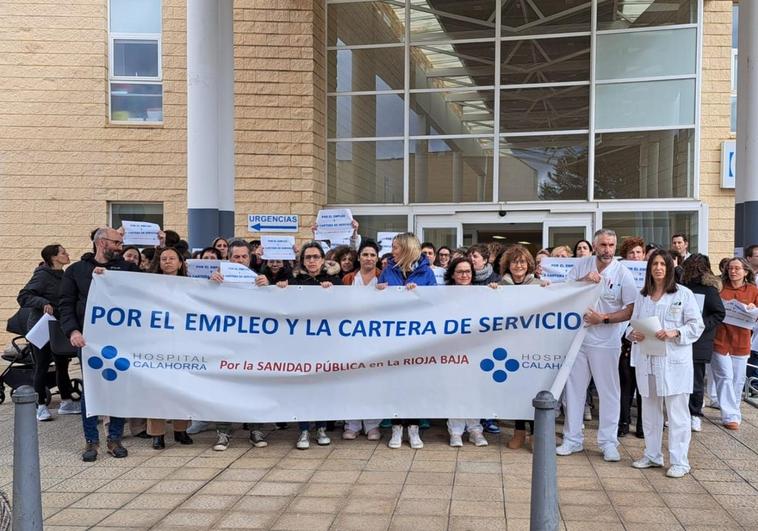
<point>680,289</point>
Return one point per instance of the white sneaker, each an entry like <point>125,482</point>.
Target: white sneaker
<point>222,443</point>
<point>677,471</point>
<point>414,438</point>
<point>456,441</point>
<point>397,437</point>
<point>696,424</point>
<point>303,442</point>
<point>197,426</point>
<point>587,413</point>
<point>568,448</point>
<point>43,414</point>
<point>611,454</point>
<point>477,438</point>
<point>322,438</point>
<point>69,407</point>
<point>646,463</point>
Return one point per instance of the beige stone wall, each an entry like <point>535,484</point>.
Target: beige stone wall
<point>714,120</point>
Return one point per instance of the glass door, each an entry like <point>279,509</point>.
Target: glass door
<point>440,230</point>
<point>566,231</point>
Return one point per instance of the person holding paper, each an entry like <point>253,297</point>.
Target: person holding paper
<point>598,356</point>
<point>169,262</point>
<point>663,360</point>
<point>276,271</point>
<point>408,267</point>
<point>222,246</point>
<point>366,276</point>
<point>41,295</point>
<point>731,347</point>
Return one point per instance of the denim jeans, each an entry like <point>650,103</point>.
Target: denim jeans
<point>89,424</point>
<point>305,425</point>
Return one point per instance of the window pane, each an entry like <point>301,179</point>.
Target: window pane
<point>544,168</point>
<point>452,19</point>
<point>539,17</point>
<point>371,225</point>
<point>450,170</point>
<point>654,227</point>
<point>647,104</point>
<point>564,236</point>
<point>136,102</point>
<point>452,65</point>
<point>452,113</point>
<point>135,58</point>
<point>135,16</point>
<point>620,14</point>
<point>365,69</point>
<point>545,109</point>
<point>442,236</point>
<point>652,164</point>
<point>365,116</point>
<point>150,212</point>
<point>354,23</point>
<point>646,53</point>
<point>545,60</point>
<point>365,172</point>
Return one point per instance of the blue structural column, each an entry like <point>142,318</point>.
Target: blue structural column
<point>746,189</point>
<point>210,120</point>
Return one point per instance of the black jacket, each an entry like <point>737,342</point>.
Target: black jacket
<point>41,289</point>
<point>75,288</point>
<point>713,314</point>
<point>329,273</point>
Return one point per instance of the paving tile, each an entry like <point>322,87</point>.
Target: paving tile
<point>477,493</point>
<point>518,510</point>
<point>339,490</point>
<point>190,517</point>
<point>274,488</point>
<point>678,500</point>
<point>653,527</point>
<point>128,485</point>
<point>247,520</point>
<point>85,517</point>
<point>249,475</point>
<point>61,499</point>
<point>299,464</point>
<point>152,473</point>
<point>359,522</point>
<point>593,526</point>
<point>585,513</point>
<point>701,516</point>
<point>381,477</point>
<point>142,518</point>
<point>208,502</point>
<point>517,495</point>
<point>403,522</point>
<point>426,491</point>
<point>305,522</point>
<point>307,505</point>
<point>736,502</point>
<point>376,491</point>
<point>104,500</point>
<point>476,508</point>
<point>716,475</point>
<point>179,486</point>
<point>157,501</point>
<point>288,475</point>
<point>369,505</point>
<point>626,484</point>
<point>193,473</point>
<point>335,476</point>
<point>619,498</point>
<point>433,478</point>
<point>433,466</point>
<point>411,506</point>
<point>576,483</point>
<point>342,464</point>
<point>228,488</point>
<point>732,488</point>
<point>647,515</point>
<point>476,523</point>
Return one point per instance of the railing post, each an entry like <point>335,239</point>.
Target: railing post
<point>27,491</point>
<point>544,506</point>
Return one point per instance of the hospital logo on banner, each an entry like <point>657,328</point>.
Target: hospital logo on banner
<point>108,356</point>
<point>499,359</point>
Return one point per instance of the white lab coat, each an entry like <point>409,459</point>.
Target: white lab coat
<point>672,372</point>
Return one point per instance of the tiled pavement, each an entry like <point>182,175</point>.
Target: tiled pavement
<point>364,485</point>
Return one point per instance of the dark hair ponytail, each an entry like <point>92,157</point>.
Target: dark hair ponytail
<point>48,251</point>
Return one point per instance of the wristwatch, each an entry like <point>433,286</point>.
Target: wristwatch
<point>606,320</point>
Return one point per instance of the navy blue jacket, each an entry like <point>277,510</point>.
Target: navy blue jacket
<point>422,274</point>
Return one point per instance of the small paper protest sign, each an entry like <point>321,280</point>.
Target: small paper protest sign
<point>233,272</point>
<point>140,233</point>
<point>557,269</point>
<point>278,247</point>
<point>334,223</point>
<point>197,268</point>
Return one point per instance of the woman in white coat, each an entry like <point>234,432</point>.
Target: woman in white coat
<point>665,378</point>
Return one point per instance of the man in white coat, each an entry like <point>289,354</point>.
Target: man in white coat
<point>598,357</point>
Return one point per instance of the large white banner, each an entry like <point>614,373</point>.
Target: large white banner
<point>170,347</point>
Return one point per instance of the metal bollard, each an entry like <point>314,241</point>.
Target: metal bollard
<point>27,491</point>
<point>544,506</point>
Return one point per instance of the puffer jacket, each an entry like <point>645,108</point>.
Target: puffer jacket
<point>42,289</point>
<point>421,274</point>
<point>329,273</point>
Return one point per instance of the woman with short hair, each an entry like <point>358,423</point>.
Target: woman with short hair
<point>665,380</point>
<point>484,273</point>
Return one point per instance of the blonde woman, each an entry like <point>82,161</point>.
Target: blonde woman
<point>410,268</point>
<point>562,251</point>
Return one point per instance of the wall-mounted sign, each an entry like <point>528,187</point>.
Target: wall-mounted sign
<point>728,163</point>
<point>272,222</point>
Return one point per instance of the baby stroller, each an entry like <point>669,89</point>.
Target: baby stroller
<point>20,369</point>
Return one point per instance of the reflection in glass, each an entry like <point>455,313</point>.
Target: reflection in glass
<point>135,16</point>
<point>544,109</point>
<point>547,168</point>
<point>135,58</point>
<point>149,212</point>
<point>366,116</point>
<point>654,227</point>
<point>642,165</point>
<point>452,65</point>
<point>565,236</point>
<point>365,69</point>
<point>668,103</point>
<point>545,60</point>
<point>136,102</point>
<point>380,22</point>
<point>365,172</point>
<point>441,20</point>
<point>622,14</point>
<point>646,53</point>
<point>442,236</point>
<point>539,17</point>
<point>371,225</point>
<point>452,113</point>
<point>450,170</point>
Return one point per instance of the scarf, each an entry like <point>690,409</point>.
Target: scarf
<point>484,274</point>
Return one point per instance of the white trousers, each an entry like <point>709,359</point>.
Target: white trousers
<point>368,425</point>
<point>602,364</point>
<point>458,426</point>
<point>678,412</point>
<point>729,375</point>
<point>710,390</point>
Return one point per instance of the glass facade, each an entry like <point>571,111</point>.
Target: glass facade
<point>424,95</point>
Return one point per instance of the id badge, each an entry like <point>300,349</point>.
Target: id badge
<point>610,291</point>
<point>674,312</point>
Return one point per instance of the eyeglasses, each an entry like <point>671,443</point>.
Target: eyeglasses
<point>311,257</point>
<point>117,242</point>
<point>466,272</point>
<point>443,254</point>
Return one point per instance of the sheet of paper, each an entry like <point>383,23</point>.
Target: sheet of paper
<point>652,346</point>
<point>39,335</point>
<point>700,299</point>
<point>334,223</point>
<point>557,269</point>
<point>278,247</point>
<point>637,268</point>
<point>384,239</point>
<point>234,272</point>
<point>197,268</point>
<point>140,233</point>
<point>738,315</point>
